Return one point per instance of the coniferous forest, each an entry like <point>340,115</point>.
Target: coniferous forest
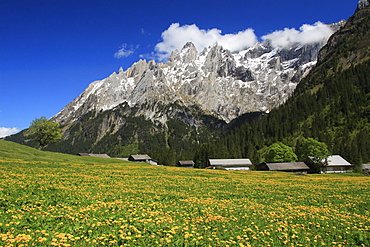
<point>330,105</point>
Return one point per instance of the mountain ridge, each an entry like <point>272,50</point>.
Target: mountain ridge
<point>224,84</point>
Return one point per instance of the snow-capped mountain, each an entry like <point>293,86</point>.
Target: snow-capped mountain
<point>221,83</point>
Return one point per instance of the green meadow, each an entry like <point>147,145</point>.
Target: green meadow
<point>51,199</point>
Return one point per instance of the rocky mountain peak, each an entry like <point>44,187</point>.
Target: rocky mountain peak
<point>219,82</point>
<point>188,53</point>
<point>189,46</point>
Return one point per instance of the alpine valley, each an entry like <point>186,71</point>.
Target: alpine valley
<point>218,104</point>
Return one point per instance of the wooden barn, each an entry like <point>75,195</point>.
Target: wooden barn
<point>142,158</point>
<point>231,164</point>
<point>336,164</point>
<point>294,167</point>
<point>186,163</point>
<point>83,154</point>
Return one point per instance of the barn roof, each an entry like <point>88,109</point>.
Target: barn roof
<point>230,162</point>
<point>83,154</point>
<point>186,162</point>
<point>287,166</point>
<point>140,157</point>
<point>337,160</point>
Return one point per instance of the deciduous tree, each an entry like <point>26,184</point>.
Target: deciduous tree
<point>279,152</point>
<point>312,148</point>
<point>44,131</point>
<point>317,151</point>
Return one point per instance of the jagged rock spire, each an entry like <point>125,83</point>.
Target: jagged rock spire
<point>189,51</point>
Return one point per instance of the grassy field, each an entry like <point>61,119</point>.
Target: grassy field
<point>49,199</point>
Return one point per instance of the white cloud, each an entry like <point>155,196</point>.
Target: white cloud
<point>307,34</point>
<point>7,131</point>
<point>176,36</point>
<point>125,51</point>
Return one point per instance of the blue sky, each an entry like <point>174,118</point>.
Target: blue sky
<point>51,50</point>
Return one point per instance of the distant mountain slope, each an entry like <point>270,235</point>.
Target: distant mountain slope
<point>332,104</point>
<point>116,130</point>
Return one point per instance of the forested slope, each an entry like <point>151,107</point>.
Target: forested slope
<point>331,104</point>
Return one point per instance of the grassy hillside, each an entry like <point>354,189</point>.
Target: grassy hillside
<point>12,150</point>
<point>63,200</point>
